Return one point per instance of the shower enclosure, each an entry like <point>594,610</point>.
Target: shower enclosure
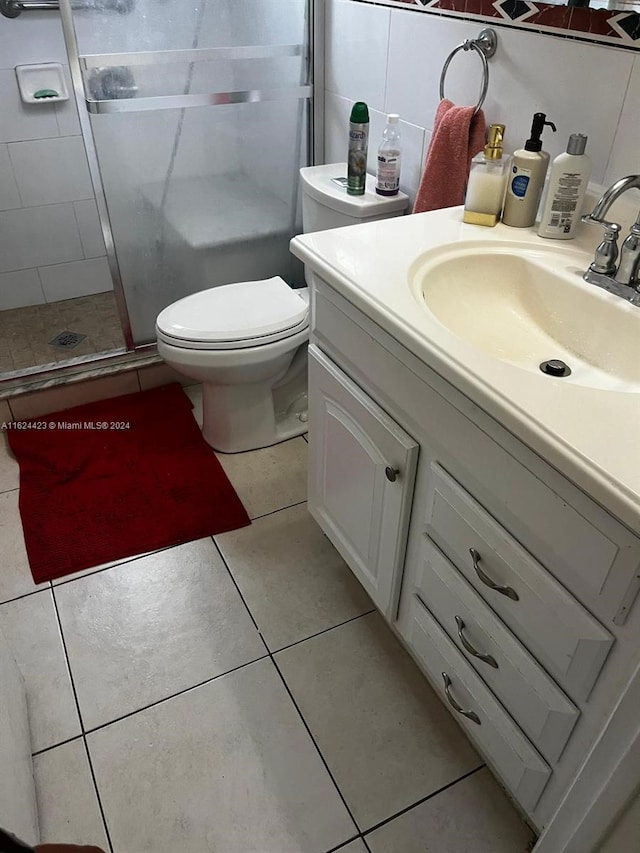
<point>200,113</point>
<point>196,116</point>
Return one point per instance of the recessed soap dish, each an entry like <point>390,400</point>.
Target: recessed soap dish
<point>42,84</point>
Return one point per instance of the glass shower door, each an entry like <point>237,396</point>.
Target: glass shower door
<point>200,114</point>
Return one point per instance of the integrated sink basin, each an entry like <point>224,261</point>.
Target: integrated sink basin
<point>525,305</point>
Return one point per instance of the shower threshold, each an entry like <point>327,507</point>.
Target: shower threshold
<point>80,369</point>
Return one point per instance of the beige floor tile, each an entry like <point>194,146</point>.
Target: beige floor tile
<point>226,767</point>
<point>15,576</point>
<point>354,847</point>
<point>269,479</point>
<point>473,816</point>
<point>150,628</point>
<point>383,731</point>
<point>31,629</point>
<point>68,810</point>
<point>294,581</point>
<point>9,470</point>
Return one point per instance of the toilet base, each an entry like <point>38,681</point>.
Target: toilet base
<point>251,415</point>
<point>262,428</point>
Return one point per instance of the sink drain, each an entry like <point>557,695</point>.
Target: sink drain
<point>555,367</point>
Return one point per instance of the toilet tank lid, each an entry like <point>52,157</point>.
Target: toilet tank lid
<point>235,312</point>
<point>319,182</point>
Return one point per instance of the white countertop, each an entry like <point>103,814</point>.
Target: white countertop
<point>590,435</point>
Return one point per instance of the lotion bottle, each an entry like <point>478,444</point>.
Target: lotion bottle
<point>526,181</point>
<point>487,181</point>
<point>567,187</point>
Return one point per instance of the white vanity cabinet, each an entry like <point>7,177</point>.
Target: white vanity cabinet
<point>510,587</point>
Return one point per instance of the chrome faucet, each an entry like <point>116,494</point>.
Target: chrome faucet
<point>623,279</point>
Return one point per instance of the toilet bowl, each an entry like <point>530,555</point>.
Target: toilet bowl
<point>251,361</point>
<point>247,342</point>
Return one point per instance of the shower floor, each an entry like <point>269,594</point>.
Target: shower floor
<point>26,334</point>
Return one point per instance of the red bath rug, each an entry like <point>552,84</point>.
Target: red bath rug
<point>117,478</point>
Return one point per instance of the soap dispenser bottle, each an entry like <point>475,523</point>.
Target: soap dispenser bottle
<point>487,181</point>
<point>526,181</point>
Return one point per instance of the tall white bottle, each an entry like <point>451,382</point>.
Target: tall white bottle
<point>568,183</point>
<point>388,172</point>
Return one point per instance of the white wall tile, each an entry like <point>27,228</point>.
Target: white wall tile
<point>9,195</point>
<point>20,121</point>
<point>414,141</point>
<point>529,73</point>
<point>20,288</point>
<point>336,127</point>
<point>32,38</point>
<point>36,236</point>
<point>625,154</point>
<point>79,278</point>
<point>49,171</point>
<point>90,229</point>
<point>357,38</point>
<point>411,145</point>
<point>67,111</point>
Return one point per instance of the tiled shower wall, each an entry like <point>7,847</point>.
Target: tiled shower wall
<point>392,58</point>
<point>51,246</point>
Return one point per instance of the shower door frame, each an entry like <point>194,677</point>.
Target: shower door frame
<point>315,138</point>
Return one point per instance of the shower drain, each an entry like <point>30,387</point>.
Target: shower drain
<point>67,340</point>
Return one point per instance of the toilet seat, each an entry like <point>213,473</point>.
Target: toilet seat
<point>235,316</point>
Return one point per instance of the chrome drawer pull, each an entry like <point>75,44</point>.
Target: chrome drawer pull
<point>391,473</point>
<point>471,715</point>
<point>486,580</point>
<point>486,658</point>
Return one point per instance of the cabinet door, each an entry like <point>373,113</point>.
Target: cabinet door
<point>362,469</point>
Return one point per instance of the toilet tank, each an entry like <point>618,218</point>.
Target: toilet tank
<point>326,203</point>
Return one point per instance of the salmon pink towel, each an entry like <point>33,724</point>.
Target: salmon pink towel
<point>458,135</point>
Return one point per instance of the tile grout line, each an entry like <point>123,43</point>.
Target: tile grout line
<point>313,741</point>
<point>422,800</point>
<point>55,746</point>
<point>271,512</point>
<point>173,695</point>
<point>291,697</point>
<point>83,735</point>
<point>25,595</point>
<point>324,631</point>
<point>344,844</point>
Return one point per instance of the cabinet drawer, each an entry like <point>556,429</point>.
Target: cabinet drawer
<point>524,771</point>
<point>362,469</point>
<point>535,702</point>
<point>558,630</point>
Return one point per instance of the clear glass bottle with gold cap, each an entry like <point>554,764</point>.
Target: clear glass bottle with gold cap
<point>487,181</point>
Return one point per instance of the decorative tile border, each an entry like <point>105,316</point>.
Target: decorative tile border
<point>604,26</point>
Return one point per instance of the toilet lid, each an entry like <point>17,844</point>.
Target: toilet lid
<point>248,313</point>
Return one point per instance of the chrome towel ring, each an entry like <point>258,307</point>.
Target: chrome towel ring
<point>485,46</point>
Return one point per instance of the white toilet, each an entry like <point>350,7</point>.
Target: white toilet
<point>247,342</point>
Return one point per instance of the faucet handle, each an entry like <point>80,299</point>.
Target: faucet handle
<point>609,227</point>
<point>606,254</point>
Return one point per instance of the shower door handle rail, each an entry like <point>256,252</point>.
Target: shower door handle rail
<point>212,99</point>
<point>202,54</point>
